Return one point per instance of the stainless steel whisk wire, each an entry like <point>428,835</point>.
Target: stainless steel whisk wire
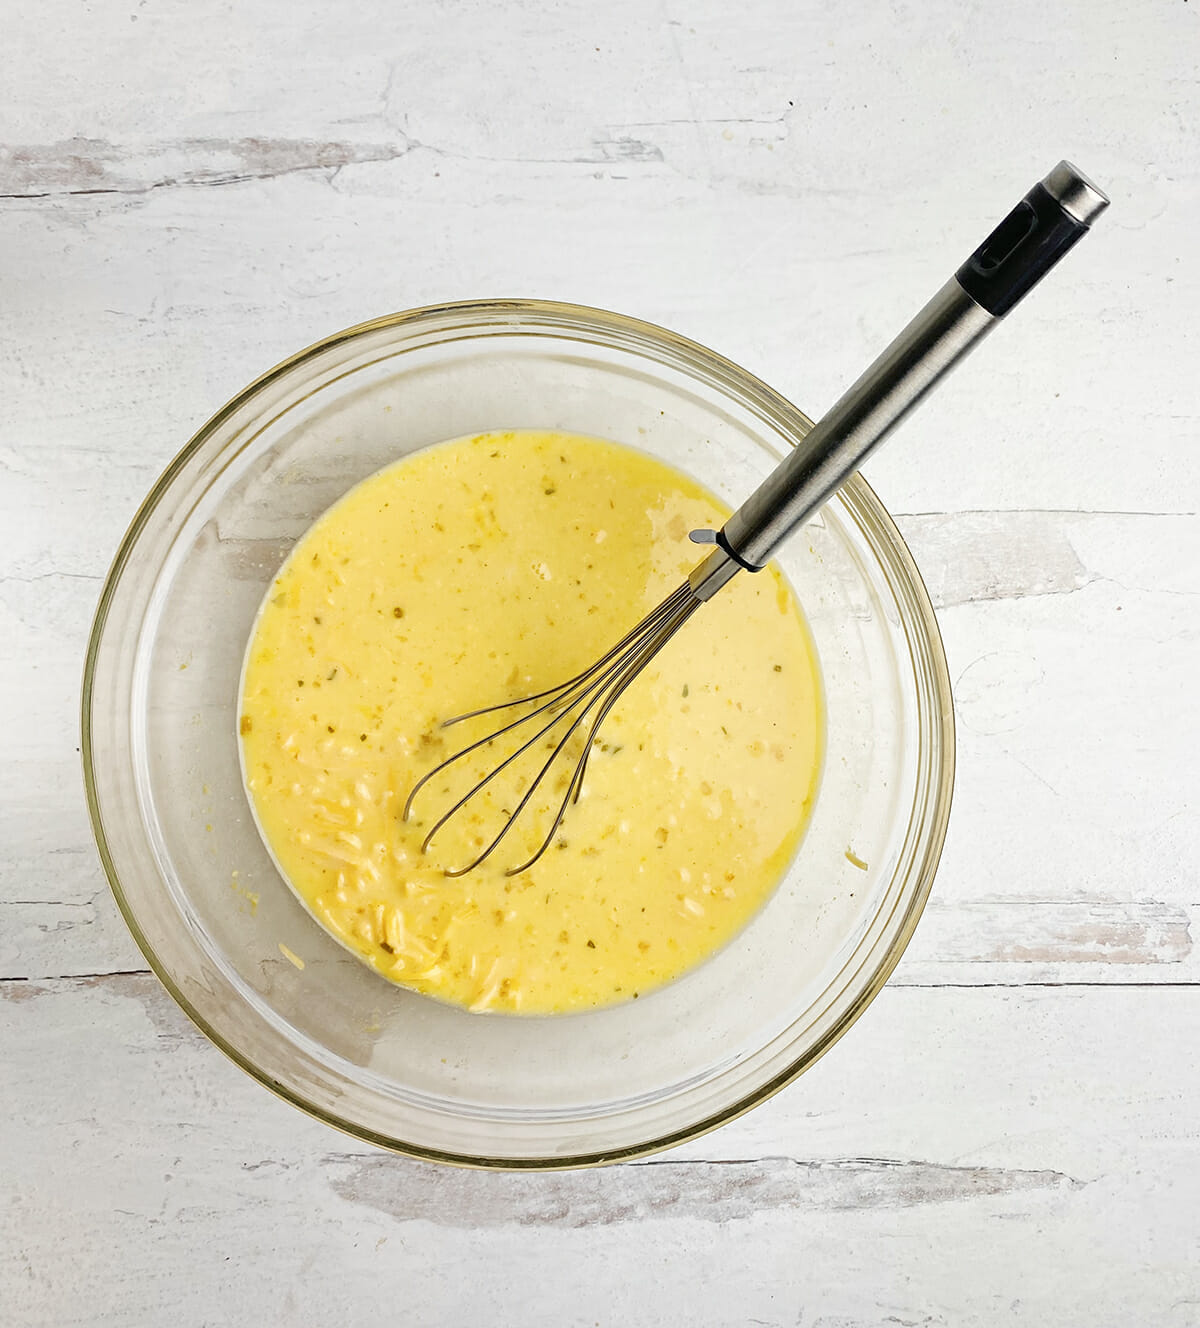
<point>1055,214</point>
<point>598,687</point>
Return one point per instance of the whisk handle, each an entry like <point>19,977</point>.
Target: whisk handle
<point>1049,220</point>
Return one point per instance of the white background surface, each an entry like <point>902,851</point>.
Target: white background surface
<point>188,192</point>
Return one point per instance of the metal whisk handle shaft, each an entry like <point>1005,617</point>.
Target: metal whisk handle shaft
<point>1049,220</point>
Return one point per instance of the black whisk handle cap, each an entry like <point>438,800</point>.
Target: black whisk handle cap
<point>1053,216</point>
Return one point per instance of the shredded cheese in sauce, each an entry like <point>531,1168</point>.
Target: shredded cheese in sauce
<point>478,571</point>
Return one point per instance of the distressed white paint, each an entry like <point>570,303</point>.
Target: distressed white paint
<point>1020,1157</point>
<point>186,195</point>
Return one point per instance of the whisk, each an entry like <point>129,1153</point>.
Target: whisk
<point>1051,217</point>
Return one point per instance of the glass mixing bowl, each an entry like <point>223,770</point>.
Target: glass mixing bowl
<point>208,908</point>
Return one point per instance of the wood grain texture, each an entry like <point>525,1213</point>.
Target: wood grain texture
<point>189,194</point>
<point>980,1159</point>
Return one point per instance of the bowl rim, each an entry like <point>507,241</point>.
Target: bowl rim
<point>862,498</point>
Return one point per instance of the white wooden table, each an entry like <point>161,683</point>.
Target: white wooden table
<point>189,191</point>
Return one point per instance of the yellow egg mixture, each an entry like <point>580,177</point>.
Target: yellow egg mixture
<point>486,569</point>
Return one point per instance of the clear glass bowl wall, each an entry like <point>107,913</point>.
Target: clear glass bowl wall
<point>183,854</point>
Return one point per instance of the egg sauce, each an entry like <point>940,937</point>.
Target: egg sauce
<point>486,569</point>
